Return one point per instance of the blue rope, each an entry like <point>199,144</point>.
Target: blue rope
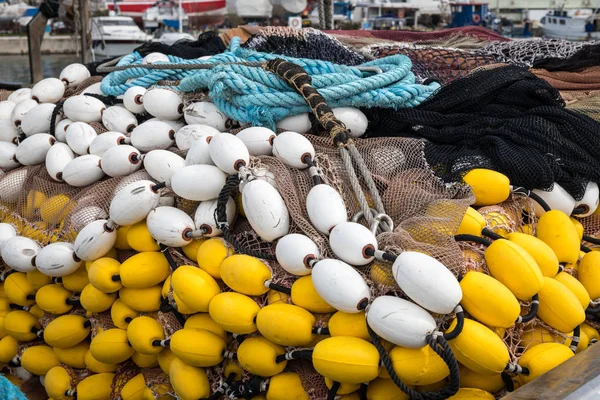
<point>255,96</point>
<point>8,391</point>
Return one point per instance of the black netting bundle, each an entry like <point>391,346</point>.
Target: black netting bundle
<point>587,56</point>
<point>208,44</point>
<point>303,43</point>
<point>505,119</point>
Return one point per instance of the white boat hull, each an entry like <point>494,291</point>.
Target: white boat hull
<point>114,48</point>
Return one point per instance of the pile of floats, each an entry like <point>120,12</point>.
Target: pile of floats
<point>233,316</point>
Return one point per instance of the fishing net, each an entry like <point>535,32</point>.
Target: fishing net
<point>586,79</point>
<point>504,119</point>
<point>124,373</point>
<point>157,381</point>
<point>415,36</point>
<point>303,43</point>
<point>586,56</point>
<point>207,44</point>
<point>532,52</point>
<point>442,64</point>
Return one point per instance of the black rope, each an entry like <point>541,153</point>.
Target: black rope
<point>53,117</point>
<point>221,219</point>
<point>580,209</point>
<point>508,382</point>
<point>472,238</point>
<point>460,323</point>
<point>534,196</point>
<point>320,331</point>
<point>491,234</point>
<point>332,392</point>
<point>107,100</point>
<point>585,249</point>
<point>362,391</point>
<point>440,346</point>
<point>591,239</point>
<point>294,355</point>
<point>165,250</point>
<point>279,288</point>
<point>535,304</point>
<point>576,338</point>
<point>221,389</point>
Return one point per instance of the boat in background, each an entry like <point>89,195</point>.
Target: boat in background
<point>207,12</point>
<point>115,36</point>
<point>164,12</point>
<point>582,25</point>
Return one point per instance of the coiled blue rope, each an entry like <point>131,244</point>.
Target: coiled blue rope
<point>250,94</point>
<point>8,391</point>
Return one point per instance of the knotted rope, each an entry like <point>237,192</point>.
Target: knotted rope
<point>241,87</point>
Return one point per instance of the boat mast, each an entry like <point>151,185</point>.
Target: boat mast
<point>180,17</point>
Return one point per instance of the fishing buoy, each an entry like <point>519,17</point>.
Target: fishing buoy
<point>121,160</point>
<point>122,315</point>
<point>204,218</point>
<point>19,290</point>
<point>345,324</point>
<point>198,182</point>
<point>543,254</point>
<point>6,108</point>
<point>19,95</point>
<point>194,287</point>
<point>83,171</point>
<point>340,285</point>
<point>306,296</point>
<point>189,382</point>
<point>163,103</point>
<point>94,89</point>
<point>488,300</point>
<point>557,199</point>
<point>162,164</point>
<point>574,287</point>
<point>7,231</point>
<point>48,90</point>
<point>74,74</point>
<point>84,108</point>
<point>418,366</point>
<point>400,322</point>
<point>234,312</point>
<point>22,326</point>
<point>588,273</point>
<point>154,58</point>
<point>490,187</point>
<point>133,202</point>
<point>152,135</point>
<point>293,149</point>
<point>133,99</point>
<point>111,346</point>
<point>80,136</point>
<point>198,153</point>
<point>346,359</point>
<point>57,158</point>
<point>351,241</point>
<point>211,254</point>
<point>17,114</point>
<point>8,131</point>
<point>8,153</point>
<point>94,240</point>
<point>18,253</point>
<point>105,141</point>
<point>228,152</point>
<point>258,140</point>
<point>143,332</point>
<point>557,231</point>
<point>86,215</point>
<point>296,123</point>
<point>325,208</point>
<point>175,125</point>
<point>206,322</point>
<point>119,119</point>
<point>60,131</point>
<point>559,307</point>
<point>170,226</point>
<point>33,150</point>
<point>144,270</point>
<point>53,299</point>
<point>265,210</point>
<point>589,202</point>
<point>39,359</point>
<point>198,347</point>
<point>258,356</point>
<point>95,301</point>
<point>245,274</point>
<point>57,259</point>
<point>186,136</point>
<point>57,382</point>
<point>286,324</point>
<point>206,113</point>
<point>294,252</point>
<point>142,300</point>
<point>542,358</point>
<point>355,120</point>
<point>66,331</point>
<point>140,239</point>
<point>427,282</point>
<point>37,120</point>
<point>38,280</point>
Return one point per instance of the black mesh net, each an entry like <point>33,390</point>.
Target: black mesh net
<point>505,119</point>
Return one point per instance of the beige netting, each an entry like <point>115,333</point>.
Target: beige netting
<point>124,373</point>
<point>157,381</point>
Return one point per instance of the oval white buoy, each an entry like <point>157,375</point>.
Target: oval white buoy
<point>32,151</point>
<point>7,156</point>
<point>7,231</point>
<point>265,210</point>
<point>133,99</point>
<point>95,240</point>
<point>355,120</point>
<point>204,218</point>
<point>199,154</point>
<point>93,89</point>
<point>163,103</point>
<point>119,119</point>
<point>133,202</point>
<point>60,130</point>
<point>8,131</point>
<point>155,57</point>
<point>186,136</point>
<point>105,141</point>
<point>121,160</point>
<point>400,322</point>
<point>6,108</point>
<point>84,108</point>
<point>589,202</point>
<point>80,136</point>
<point>37,120</point>
<point>83,171</point>
<point>162,164</point>
<point>57,158</point>
<point>206,113</point>
<point>57,259</point>
<point>18,253</point>
<point>292,148</point>
<point>350,242</point>
<point>557,199</point>
<point>296,123</point>
<point>325,208</point>
<point>427,282</point>
<point>152,135</point>
<point>198,182</point>
<point>170,226</point>
<point>340,285</point>
<point>73,74</point>
<point>258,140</point>
<point>175,124</point>
<point>294,252</point>
<point>49,90</point>
<point>228,152</point>
<point>21,109</point>
<point>19,95</point>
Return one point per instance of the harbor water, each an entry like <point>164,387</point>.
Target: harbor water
<point>15,68</point>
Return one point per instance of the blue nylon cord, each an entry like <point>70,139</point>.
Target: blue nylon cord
<point>257,97</point>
